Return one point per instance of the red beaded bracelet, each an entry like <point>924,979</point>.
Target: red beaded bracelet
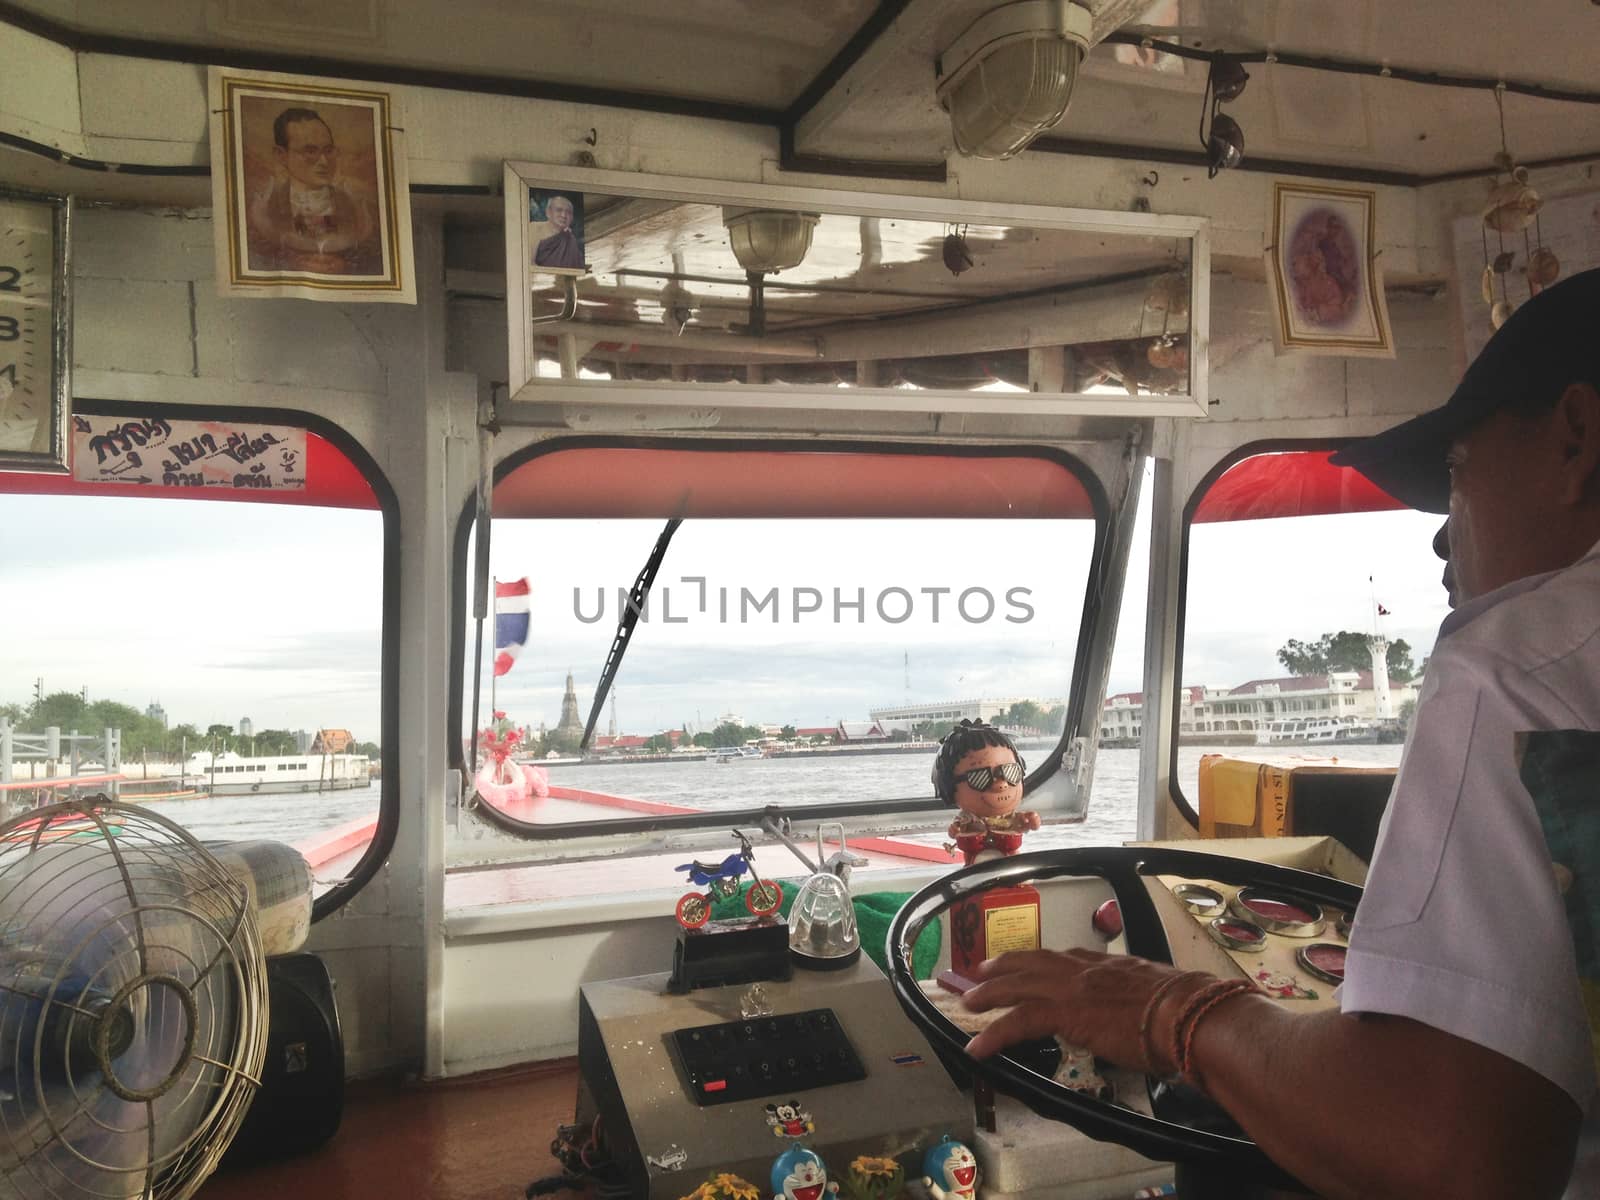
<point>1149,1014</point>
<point>1201,1004</point>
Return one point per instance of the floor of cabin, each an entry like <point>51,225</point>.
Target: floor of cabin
<point>483,1137</point>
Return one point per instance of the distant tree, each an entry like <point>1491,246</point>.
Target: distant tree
<point>65,710</point>
<point>563,743</point>
<point>1343,651</point>
<point>1024,714</point>
<point>1302,658</point>
<point>278,741</point>
<point>658,743</point>
<point>1055,718</point>
<point>821,739</point>
<point>1407,711</point>
<point>787,732</point>
<point>703,739</point>
<point>14,713</point>
<point>370,749</point>
<point>930,731</point>
<point>180,735</point>
<point>729,734</point>
<point>219,734</point>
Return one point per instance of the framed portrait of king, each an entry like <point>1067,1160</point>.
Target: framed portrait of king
<point>309,188</point>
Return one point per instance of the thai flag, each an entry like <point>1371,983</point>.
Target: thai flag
<point>510,622</point>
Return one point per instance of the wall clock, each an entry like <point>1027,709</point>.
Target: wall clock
<point>35,331</point>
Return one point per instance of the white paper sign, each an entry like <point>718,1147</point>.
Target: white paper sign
<point>191,454</point>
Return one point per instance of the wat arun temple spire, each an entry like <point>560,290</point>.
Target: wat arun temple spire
<point>571,724</point>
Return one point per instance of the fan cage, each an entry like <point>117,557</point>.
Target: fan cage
<point>133,1005</point>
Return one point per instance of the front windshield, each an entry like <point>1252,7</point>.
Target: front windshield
<point>778,661</point>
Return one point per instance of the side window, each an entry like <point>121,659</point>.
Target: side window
<point>218,662</point>
<point>1311,603</point>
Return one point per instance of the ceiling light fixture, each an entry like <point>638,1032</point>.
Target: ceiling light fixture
<point>1009,77</point>
<point>768,240</point>
<point>1223,141</point>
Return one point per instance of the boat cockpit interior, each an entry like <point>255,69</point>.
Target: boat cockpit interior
<point>526,488</point>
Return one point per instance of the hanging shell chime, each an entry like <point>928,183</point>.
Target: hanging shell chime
<point>1512,207</point>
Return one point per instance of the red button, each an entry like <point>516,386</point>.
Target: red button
<point>1107,920</point>
<point>715,1085</point>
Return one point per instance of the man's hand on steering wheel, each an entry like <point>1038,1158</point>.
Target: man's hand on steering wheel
<point>1100,1001</point>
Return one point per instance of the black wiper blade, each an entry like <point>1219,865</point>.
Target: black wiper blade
<point>638,597</point>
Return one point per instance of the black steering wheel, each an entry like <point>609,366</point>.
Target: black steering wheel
<point>1124,869</point>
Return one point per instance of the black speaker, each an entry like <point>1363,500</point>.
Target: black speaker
<point>1343,805</point>
<point>301,1099</point>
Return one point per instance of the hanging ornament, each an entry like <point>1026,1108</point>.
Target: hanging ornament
<point>1512,203</point>
<point>957,255</point>
<point>1512,207</point>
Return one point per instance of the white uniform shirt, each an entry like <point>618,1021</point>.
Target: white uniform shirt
<point>1462,926</point>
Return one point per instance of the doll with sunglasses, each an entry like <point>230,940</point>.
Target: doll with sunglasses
<point>980,772</point>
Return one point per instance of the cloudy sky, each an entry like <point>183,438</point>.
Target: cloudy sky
<point>222,611</point>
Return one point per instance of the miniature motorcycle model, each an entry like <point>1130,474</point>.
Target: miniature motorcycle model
<point>721,880</point>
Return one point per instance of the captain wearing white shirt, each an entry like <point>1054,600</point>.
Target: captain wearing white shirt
<point>1462,1061</point>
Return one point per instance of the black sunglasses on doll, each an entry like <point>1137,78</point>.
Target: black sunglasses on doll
<point>979,777</point>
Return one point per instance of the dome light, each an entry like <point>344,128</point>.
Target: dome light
<point>766,240</point>
<point>1009,77</point>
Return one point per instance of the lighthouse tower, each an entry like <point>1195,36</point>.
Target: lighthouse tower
<point>1379,645</point>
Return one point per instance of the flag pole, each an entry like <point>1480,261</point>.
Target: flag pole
<point>494,672</point>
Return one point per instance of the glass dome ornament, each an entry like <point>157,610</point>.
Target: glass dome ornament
<point>822,924</point>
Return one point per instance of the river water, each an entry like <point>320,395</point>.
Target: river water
<point>300,816</point>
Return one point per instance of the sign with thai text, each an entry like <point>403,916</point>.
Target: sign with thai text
<point>156,451</point>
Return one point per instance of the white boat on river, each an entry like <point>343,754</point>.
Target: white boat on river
<point>233,774</point>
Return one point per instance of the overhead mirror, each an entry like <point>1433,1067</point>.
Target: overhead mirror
<point>638,288</point>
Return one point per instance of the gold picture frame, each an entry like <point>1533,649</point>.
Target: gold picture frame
<point>309,189</point>
<point>1323,277</point>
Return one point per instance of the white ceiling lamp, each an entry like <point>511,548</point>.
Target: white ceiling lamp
<point>766,240</point>
<point>1009,77</point>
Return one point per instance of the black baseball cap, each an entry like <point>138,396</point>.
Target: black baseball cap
<point>1549,343</point>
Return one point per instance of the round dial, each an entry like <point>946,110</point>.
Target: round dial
<point>28,268</point>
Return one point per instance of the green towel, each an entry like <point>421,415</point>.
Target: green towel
<point>874,911</point>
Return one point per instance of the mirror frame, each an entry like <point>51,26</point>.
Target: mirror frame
<point>520,177</point>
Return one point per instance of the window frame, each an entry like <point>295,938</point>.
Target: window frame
<point>1191,812</point>
<point>851,814</point>
<point>388,510</point>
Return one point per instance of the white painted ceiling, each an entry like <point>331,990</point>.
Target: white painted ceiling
<point>762,54</point>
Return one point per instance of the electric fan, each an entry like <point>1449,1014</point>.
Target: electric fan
<point>132,1005</point>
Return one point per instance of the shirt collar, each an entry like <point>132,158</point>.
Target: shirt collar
<point>1473,608</point>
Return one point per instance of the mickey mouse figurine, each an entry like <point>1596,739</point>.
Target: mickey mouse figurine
<point>980,772</point>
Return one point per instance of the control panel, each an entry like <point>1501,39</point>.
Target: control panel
<point>685,1084</point>
<point>768,1056</point>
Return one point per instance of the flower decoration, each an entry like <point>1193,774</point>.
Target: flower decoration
<point>500,746</point>
<point>725,1186</point>
<point>874,1178</point>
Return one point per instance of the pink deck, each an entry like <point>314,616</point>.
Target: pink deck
<point>334,853</point>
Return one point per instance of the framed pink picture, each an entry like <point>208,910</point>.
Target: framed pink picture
<point>1322,272</point>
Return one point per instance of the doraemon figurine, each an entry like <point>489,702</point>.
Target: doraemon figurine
<point>949,1171</point>
<point>799,1175</point>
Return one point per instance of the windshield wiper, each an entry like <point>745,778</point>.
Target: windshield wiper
<point>638,597</point>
